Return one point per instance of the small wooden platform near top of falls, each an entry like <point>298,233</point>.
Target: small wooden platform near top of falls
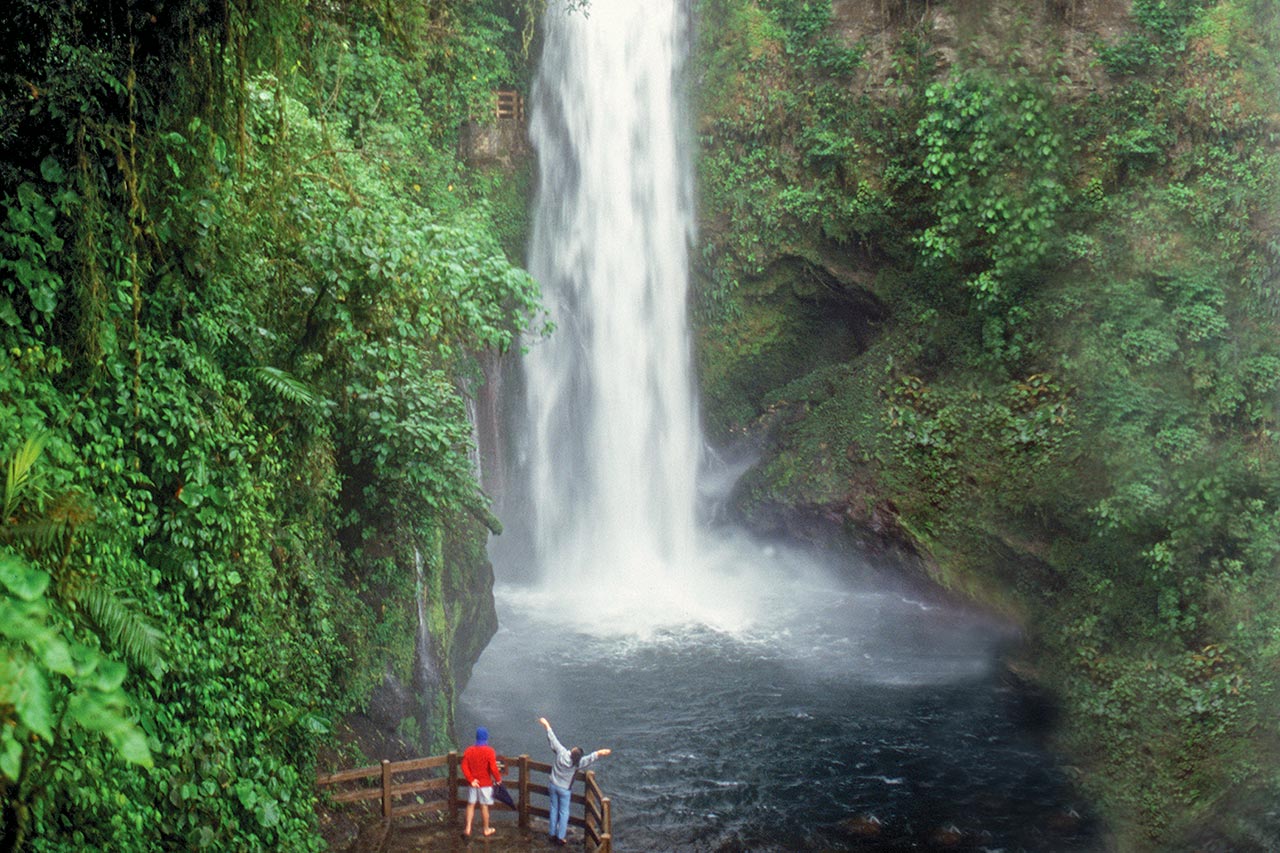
<point>420,799</point>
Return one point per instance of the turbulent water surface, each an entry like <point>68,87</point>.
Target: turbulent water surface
<point>853,719</point>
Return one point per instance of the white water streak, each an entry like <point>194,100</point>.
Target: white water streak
<point>615,439</point>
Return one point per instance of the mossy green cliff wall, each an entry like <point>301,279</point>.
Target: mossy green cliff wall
<point>996,287</point>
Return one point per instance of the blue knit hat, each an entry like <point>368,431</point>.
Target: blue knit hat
<point>482,735</point>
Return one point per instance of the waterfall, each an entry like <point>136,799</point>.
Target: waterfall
<point>426,677</point>
<point>474,455</point>
<point>613,439</point>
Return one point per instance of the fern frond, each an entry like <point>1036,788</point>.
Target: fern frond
<point>19,472</point>
<point>41,535</point>
<point>50,533</point>
<point>129,632</point>
<point>72,510</point>
<point>288,386</point>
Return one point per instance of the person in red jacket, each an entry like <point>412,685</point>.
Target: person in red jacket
<point>480,769</point>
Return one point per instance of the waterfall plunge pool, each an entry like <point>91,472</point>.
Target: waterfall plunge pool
<point>844,716</point>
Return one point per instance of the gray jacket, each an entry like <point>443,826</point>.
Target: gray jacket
<point>562,769</point>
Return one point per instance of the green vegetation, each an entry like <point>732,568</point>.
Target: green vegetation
<point>1020,298</point>
<point>242,274</point>
<point>1069,399</point>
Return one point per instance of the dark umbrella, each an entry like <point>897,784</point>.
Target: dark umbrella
<point>502,795</point>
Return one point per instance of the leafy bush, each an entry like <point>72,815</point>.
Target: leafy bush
<point>241,273</point>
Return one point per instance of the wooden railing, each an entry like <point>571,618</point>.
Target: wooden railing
<point>405,788</point>
<point>508,104</point>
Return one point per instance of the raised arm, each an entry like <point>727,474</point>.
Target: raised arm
<point>590,758</point>
<point>551,737</point>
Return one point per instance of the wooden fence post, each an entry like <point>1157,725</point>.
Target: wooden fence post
<point>588,787</point>
<point>453,787</point>
<point>523,804</point>
<point>606,834</point>
<point>386,788</point>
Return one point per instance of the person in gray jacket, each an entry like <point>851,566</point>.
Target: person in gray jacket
<point>565,766</point>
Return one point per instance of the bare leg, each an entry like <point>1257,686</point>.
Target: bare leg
<point>471,810</point>
<point>484,814</point>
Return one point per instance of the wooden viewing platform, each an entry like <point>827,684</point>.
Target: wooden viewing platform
<point>416,786</point>
<point>508,104</point>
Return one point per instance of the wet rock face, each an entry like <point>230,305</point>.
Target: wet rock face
<point>498,143</point>
<point>863,521</point>
<point>468,594</point>
<point>411,710</point>
<point>390,703</point>
<point>1065,31</point>
<point>859,19</point>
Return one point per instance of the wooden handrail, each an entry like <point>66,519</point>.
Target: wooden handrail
<point>596,816</point>
<point>347,775</point>
<point>508,104</point>
<point>596,820</point>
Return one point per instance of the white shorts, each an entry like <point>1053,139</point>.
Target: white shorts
<point>483,796</point>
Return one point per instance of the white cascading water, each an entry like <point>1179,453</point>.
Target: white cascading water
<point>614,440</point>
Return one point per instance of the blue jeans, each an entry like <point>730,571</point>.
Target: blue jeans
<point>560,799</point>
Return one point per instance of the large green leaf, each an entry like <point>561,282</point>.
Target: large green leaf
<point>93,711</point>
<point>104,712</point>
<point>23,685</point>
<point>19,472</point>
<point>85,658</point>
<point>131,744</point>
<point>55,654</point>
<point>24,621</point>
<point>109,676</point>
<point>269,813</point>
<point>20,579</point>
<point>10,754</point>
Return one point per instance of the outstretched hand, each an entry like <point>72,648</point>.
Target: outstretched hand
<point>604,752</point>
<point>544,722</point>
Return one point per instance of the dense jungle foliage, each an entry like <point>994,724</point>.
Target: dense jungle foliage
<point>1019,297</point>
<point>242,276</point>
<point>1014,283</point>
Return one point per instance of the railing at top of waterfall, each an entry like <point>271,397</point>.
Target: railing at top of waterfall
<point>508,104</point>
<point>413,787</point>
